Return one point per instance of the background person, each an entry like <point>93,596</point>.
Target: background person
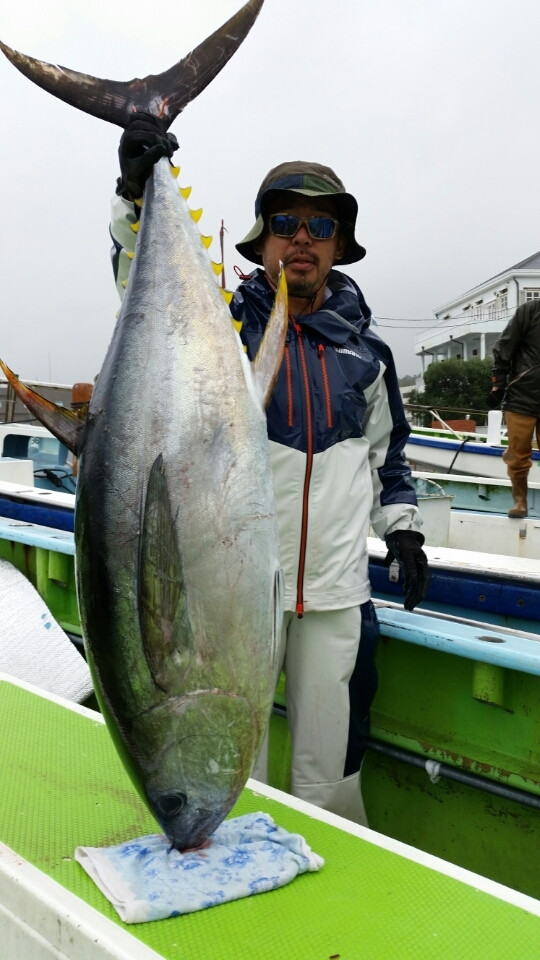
<point>516,385</point>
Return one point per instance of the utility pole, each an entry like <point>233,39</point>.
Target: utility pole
<point>222,246</point>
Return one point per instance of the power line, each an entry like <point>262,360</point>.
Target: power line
<point>409,319</point>
<point>390,326</point>
<point>450,321</point>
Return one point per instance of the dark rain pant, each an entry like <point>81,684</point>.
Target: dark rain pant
<point>521,430</point>
<point>331,679</point>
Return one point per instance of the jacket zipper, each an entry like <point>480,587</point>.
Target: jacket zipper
<point>324,372</point>
<point>307,476</point>
<point>288,375</point>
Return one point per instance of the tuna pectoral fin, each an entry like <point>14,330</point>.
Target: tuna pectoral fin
<point>162,602</point>
<point>66,425</point>
<point>165,95</point>
<point>266,364</point>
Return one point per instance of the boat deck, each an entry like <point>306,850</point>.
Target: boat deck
<point>62,785</point>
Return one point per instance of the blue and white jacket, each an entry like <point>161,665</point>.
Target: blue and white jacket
<point>337,432</point>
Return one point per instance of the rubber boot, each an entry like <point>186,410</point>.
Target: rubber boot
<point>519,493</point>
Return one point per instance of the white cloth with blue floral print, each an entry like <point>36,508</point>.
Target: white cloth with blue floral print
<point>145,880</point>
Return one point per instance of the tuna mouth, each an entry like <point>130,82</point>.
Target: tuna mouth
<point>184,828</point>
<point>197,839</point>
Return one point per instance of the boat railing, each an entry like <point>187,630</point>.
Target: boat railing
<point>494,425</point>
<point>437,416</point>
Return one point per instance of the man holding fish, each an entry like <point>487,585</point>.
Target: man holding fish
<point>179,536</point>
<point>337,431</point>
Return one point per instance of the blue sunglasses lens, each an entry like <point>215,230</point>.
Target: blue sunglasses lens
<point>321,228</point>
<point>287,225</point>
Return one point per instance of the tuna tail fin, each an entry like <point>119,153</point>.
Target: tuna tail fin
<point>266,364</point>
<point>64,423</point>
<point>164,95</point>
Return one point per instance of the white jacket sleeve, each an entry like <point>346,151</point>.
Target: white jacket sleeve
<point>394,499</point>
<point>123,216</point>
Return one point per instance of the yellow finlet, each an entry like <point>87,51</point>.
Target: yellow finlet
<point>196,214</point>
<point>185,191</point>
<point>237,324</point>
<point>227,296</point>
<point>129,254</point>
<point>124,284</point>
<point>138,203</point>
<point>217,267</point>
<point>206,241</point>
<point>174,170</point>
<point>135,226</point>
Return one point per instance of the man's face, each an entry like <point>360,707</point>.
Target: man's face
<point>306,261</point>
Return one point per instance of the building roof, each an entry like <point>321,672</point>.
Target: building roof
<point>530,263</point>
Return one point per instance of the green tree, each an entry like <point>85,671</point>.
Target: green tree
<point>454,386</point>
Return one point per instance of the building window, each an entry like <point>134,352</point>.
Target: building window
<point>532,295</point>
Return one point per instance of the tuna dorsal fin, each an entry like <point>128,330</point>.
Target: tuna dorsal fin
<point>67,425</point>
<point>162,601</point>
<point>266,364</point>
<point>165,94</point>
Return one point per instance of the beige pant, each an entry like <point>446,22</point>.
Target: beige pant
<point>328,657</point>
<point>521,430</point>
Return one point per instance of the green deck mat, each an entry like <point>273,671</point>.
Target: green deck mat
<point>62,785</point>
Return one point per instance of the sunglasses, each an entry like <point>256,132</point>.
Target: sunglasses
<point>287,225</point>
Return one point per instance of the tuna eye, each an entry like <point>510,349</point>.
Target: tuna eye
<point>171,804</point>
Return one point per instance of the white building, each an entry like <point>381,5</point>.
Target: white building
<point>468,326</point>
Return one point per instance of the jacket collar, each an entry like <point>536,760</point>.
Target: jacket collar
<point>343,312</point>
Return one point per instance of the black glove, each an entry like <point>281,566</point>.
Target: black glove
<point>494,398</point>
<point>144,141</point>
<point>405,546</point>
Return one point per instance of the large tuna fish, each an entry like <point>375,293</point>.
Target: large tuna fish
<point>176,542</point>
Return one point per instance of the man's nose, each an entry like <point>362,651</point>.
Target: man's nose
<point>302,235</point>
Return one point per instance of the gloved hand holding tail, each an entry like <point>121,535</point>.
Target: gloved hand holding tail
<point>144,141</point>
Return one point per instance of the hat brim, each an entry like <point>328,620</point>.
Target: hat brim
<point>346,207</point>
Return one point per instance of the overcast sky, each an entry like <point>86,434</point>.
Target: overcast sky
<point>427,109</point>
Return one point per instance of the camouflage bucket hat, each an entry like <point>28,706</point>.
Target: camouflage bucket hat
<point>311,180</point>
